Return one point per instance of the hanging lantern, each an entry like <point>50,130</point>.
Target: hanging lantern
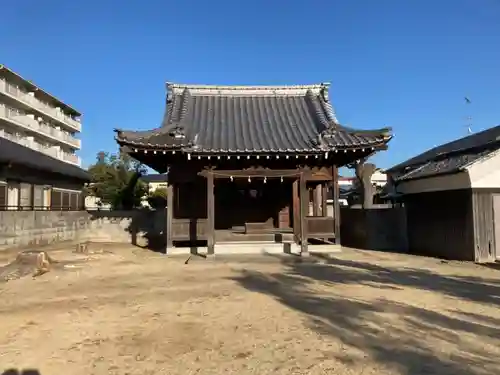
<point>265,180</point>
<point>249,180</point>
<point>231,178</point>
<point>281,178</point>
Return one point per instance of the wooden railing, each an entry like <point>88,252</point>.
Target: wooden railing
<point>320,226</point>
<point>189,229</point>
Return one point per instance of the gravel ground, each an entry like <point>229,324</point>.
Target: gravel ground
<point>129,311</point>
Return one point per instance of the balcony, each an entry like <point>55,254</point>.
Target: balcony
<point>44,109</point>
<point>50,151</point>
<point>71,158</point>
<point>30,124</point>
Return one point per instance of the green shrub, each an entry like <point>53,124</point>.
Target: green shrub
<point>158,198</point>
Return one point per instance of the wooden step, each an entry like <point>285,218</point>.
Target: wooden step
<point>251,237</point>
<point>257,227</point>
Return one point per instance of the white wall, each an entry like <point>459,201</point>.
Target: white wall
<point>486,172</point>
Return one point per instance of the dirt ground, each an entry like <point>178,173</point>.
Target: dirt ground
<point>130,311</point>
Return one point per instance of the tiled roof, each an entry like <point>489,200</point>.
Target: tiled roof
<point>449,157</point>
<point>19,154</point>
<point>251,119</point>
<point>449,164</point>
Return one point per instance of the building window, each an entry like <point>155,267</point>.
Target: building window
<point>56,200</point>
<point>12,196</point>
<point>65,200</point>
<point>38,197</point>
<point>46,197</point>
<point>3,196</point>
<point>74,200</point>
<point>25,197</point>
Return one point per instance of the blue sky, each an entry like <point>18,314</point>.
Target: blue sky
<point>405,64</point>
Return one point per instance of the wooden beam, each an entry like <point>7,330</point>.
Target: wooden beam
<point>336,204</point>
<point>318,177</point>
<point>251,172</point>
<point>169,216</point>
<point>210,215</point>
<point>310,174</point>
<point>304,207</point>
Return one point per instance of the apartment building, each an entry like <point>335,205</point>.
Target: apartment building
<point>39,167</point>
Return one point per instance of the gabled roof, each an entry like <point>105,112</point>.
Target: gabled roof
<point>201,118</point>
<point>450,157</point>
<point>19,154</point>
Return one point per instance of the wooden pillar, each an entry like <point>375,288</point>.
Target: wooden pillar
<point>324,195</point>
<point>304,208</point>
<point>32,197</point>
<point>210,215</point>
<point>169,215</point>
<point>296,210</point>
<point>336,203</point>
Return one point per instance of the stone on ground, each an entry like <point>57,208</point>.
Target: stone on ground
<point>27,262</point>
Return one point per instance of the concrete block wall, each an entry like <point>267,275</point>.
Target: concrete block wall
<point>31,228</point>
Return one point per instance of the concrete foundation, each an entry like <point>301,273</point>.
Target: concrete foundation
<point>234,248</point>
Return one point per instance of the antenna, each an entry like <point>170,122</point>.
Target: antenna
<point>469,118</point>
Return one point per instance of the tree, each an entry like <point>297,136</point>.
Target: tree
<point>158,198</point>
<point>115,180</point>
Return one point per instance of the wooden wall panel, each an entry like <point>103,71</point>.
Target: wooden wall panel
<point>483,224</point>
<point>440,224</point>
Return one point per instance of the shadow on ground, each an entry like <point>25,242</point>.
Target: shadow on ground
<point>366,325</point>
<point>20,372</point>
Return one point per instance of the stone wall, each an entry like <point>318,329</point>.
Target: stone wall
<point>379,228</point>
<point>22,228</point>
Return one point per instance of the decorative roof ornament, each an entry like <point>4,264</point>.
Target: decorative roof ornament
<point>195,142</point>
<point>324,94</point>
<point>319,141</point>
<point>177,133</point>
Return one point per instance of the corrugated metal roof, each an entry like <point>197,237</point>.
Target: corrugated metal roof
<point>251,119</point>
